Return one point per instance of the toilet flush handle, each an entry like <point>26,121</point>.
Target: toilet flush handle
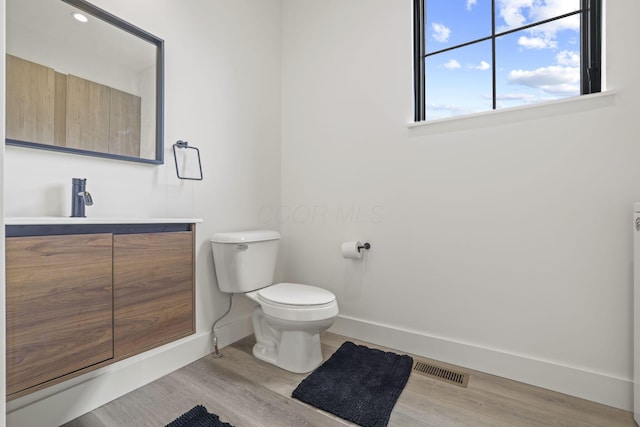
<point>242,247</point>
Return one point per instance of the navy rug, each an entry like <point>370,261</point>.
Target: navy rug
<point>198,417</point>
<point>357,383</point>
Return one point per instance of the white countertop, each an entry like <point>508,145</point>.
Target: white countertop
<point>57,220</point>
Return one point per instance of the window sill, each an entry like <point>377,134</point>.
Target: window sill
<point>514,114</point>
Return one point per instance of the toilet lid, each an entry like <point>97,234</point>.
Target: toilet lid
<point>295,294</point>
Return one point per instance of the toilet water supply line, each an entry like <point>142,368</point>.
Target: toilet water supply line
<point>216,352</point>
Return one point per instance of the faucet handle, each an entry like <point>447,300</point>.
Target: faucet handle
<point>86,196</point>
<point>87,199</point>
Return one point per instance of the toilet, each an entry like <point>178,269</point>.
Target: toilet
<point>288,317</point>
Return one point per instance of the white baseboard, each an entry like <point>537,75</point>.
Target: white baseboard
<point>66,401</point>
<point>575,381</point>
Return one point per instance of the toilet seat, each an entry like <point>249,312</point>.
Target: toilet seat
<point>297,302</point>
<point>295,294</point>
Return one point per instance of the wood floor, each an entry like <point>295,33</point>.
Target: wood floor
<point>247,392</point>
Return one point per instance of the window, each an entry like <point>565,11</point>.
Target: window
<point>479,55</point>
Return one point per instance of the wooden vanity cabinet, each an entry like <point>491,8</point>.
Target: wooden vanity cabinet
<point>77,302</point>
<point>58,305</point>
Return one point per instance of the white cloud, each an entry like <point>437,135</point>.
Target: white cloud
<point>545,9</point>
<point>470,4</point>
<point>483,66</point>
<point>512,11</point>
<point>521,12</point>
<point>517,13</point>
<point>452,64</point>
<point>537,43</point>
<point>555,79</point>
<point>569,58</point>
<point>549,30</point>
<point>440,32</point>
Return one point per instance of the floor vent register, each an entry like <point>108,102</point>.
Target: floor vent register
<point>430,370</point>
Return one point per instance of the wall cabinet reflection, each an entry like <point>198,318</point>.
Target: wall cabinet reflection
<point>52,108</point>
<point>32,87</point>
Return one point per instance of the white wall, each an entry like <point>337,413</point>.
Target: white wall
<point>223,96</point>
<point>500,242</point>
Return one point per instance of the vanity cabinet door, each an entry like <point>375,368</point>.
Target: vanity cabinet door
<point>59,306</point>
<point>153,290</point>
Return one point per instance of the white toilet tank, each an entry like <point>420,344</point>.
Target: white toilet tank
<point>245,260</point>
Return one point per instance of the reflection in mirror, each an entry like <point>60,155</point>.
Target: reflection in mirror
<point>93,87</point>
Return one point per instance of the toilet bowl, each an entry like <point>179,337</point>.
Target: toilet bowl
<point>287,317</point>
<point>287,323</point>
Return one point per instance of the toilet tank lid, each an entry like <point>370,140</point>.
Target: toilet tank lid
<point>245,236</point>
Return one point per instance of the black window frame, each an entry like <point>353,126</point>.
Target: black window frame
<point>590,49</point>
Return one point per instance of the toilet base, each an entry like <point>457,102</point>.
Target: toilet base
<point>293,346</point>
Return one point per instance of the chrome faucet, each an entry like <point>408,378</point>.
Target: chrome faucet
<point>80,197</point>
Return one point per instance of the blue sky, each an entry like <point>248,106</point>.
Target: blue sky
<point>534,65</point>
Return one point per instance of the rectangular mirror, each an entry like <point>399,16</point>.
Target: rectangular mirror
<point>91,86</point>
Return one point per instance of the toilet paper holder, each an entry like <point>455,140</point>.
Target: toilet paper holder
<point>365,245</point>
<point>354,249</point>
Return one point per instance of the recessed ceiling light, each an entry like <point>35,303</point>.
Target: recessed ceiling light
<point>80,17</point>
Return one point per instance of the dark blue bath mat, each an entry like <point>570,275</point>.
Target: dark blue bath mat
<point>357,383</point>
<point>198,417</point>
